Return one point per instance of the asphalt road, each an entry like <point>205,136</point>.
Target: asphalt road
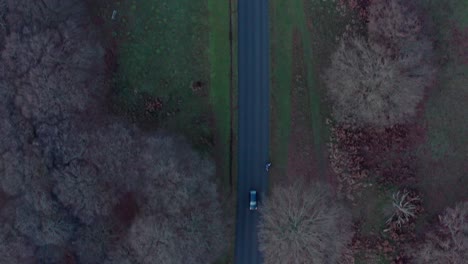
<point>253,123</point>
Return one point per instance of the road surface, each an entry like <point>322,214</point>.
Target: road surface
<point>253,124</point>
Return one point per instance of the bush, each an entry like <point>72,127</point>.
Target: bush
<point>301,224</point>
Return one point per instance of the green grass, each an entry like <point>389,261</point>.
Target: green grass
<point>319,42</point>
<point>165,46</point>
<point>220,96</point>
<point>219,80</point>
<point>373,209</point>
<point>282,19</point>
<point>162,49</point>
<point>362,258</point>
<point>442,157</point>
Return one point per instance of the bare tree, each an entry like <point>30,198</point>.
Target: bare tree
<point>302,224</point>
<point>98,165</point>
<point>380,81</point>
<point>35,16</point>
<point>154,240</point>
<point>50,58</point>
<point>51,254</point>
<point>180,216</point>
<point>188,183</point>
<point>81,188</point>
<point>92,242</point>
<point>22,170</point>
<point>13,247</point>
<point>16,163</point>
<point>449,244</point>
<point>369,87</point>
<point>51,226</point>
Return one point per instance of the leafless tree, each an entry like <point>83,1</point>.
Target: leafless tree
<point>380,80</point>
<point>302,224</point>
<point>449,244</point>
<point>13,247</point>
<point>154,240</point>
<point>98,166</point>
<point>179,220</point>
<point>51,226</point>
<point>24,172</point>
<point>51,254</point>
<point>37,15</point>
<point>188,181</point>
<point>17,157</point>
<point>92,242</point>
<point>81,187</point>
<point>369,87</point>
<point>121,253</point>
<point>50,59</point>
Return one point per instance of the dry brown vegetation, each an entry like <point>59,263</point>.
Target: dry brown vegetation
<point>393,22</point>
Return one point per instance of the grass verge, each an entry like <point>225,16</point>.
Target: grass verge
<point>220,61</point>
<point>281,20</point>
<point>318,22</point>
<point>162,74</point>
<point>223,76</point>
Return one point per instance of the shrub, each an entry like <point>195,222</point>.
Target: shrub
<point>405,205</point>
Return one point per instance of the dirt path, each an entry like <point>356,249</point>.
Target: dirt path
<point>302,160</point>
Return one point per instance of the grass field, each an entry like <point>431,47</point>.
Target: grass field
<point>318,23</point>
<point>281,21</point>
<point>172,69</point>
<point>443,157</point>
<point>221,96</point>
<point>219,54</point>
<point>162,52</point>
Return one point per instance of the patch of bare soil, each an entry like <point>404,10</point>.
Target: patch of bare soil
<point>302,160</point>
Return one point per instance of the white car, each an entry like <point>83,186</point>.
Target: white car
<point>253,200</point>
